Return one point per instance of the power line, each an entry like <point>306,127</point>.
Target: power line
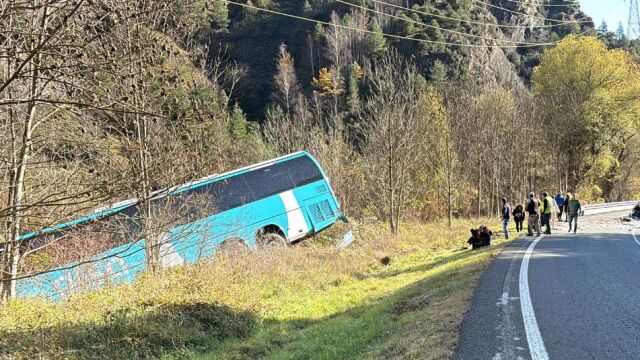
<point>409,20</point>
<point>562,22</point>
<point>569,3</point>
<point>392,36</point>
<point>474,22</point>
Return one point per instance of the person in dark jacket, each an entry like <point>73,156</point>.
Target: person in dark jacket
<point>506,217</point>
<point>474,240</point>
<point>480,237</point>
<point>573,211</point>
<point>533,209</point>
<point>518,216</point>
<point>485,235</point>
<point>636,212</point>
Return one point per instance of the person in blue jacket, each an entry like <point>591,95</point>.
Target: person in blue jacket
<point>560,201</point>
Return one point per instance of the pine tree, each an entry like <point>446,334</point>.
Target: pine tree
<point>604,28</point>
<point>438,72</point>
<point>307,10</point>
<point>238,123</point>
<point>374,41</point>
<point>318,32</point>
<point>621,37</point>
<point>620,33</point>
<point>353,96</point>
<point>219,14</point>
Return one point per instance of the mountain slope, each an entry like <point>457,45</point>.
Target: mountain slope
<point>253,38</point>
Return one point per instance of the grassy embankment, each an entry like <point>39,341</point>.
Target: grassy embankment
<point>309,301</point>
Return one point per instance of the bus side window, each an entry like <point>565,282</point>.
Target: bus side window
<point>269,180</point>
<point>229,193</point>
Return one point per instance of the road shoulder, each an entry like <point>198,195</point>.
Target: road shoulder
<point>495,311</point>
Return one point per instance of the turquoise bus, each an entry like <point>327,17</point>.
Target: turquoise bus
<point>279,201</point>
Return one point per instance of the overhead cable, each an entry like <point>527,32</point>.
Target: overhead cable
<point>474,22</point>
<point>393,36</point>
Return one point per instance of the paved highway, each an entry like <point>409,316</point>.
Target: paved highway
<point>563,296</point>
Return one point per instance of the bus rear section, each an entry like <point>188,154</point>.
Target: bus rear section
<point>289,199</point>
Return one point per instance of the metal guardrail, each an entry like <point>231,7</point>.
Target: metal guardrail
<point>608,207</point>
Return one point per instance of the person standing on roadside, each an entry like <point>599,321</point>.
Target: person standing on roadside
<point>573,211</point>
<point>554,215</point>
<point>506,216</point>
<point>560,202</point>
<point>532,207</point>
<point>518,216</point>
<point>547,212</point>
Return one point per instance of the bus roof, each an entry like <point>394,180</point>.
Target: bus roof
<point>115,208</point>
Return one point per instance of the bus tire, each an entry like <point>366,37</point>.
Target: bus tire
<point>271,239</point>
<point>233,247</point>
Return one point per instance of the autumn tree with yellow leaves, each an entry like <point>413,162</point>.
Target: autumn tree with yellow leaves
<point>589,96</point>
<point>326,84</point>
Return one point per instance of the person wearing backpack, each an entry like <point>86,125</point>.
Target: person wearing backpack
<point>518,216</point>
<point>533,209</point>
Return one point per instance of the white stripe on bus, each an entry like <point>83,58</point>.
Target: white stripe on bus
<point>297,224</point>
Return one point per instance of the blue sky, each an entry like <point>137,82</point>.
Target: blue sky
<point>611,11</point>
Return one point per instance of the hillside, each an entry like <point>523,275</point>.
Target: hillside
<point>253,39</point>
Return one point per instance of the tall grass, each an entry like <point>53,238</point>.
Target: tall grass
<point>310,300</point>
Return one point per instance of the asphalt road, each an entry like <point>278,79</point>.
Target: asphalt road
<point>576,297</point>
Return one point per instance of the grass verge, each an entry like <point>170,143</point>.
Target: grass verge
<point>383,297</point>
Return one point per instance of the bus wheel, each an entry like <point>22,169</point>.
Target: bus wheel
<point>233,247</point>
<point>271,240</point>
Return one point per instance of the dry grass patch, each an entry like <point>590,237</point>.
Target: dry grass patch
<point>305,301</point>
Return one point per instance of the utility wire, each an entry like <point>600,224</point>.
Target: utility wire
<point>474,22</point>
<point>562,22</point>
<point>409,20</point>
<point>568,3</point>
<point>393,36</point>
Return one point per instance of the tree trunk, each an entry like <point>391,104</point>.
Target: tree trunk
<point>450,197</point>
<point>16,176</point>
<point>479,190</point>
<point>15,202</point>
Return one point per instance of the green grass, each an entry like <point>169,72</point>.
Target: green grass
<point>308,301</point>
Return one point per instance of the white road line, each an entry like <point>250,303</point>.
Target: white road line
<point>536,345</point>
<point>509,336</point>
<point>633,232</point>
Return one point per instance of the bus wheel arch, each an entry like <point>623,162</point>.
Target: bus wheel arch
<point>270,235</point>
<point>233,246</point>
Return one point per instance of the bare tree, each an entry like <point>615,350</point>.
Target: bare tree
<point>42,66</point>
<point>286,81</point>
<point>393,138</point>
